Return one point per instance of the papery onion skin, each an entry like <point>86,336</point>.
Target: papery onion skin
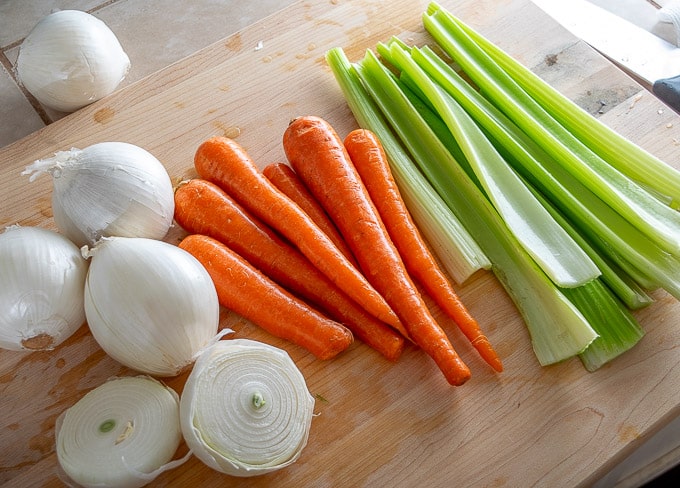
<point>121,434</point>
<point>149,304</point>
<point>245,409</point>
<point>108,189</point>
<point>71,59</point>
<point>42,275</point>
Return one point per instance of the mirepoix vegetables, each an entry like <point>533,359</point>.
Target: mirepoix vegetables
<point>42,275</point>
<point>657,220</point>
<point>245,290</point>
<point>123,434</point>
<point>459,253</point>
<point>576,229</point>
<point>149,304</point>
<point>71,59</point>
<point>626,156</point>
<point>543,238</point>
<point>557,328</point>
<point>284,178</point>
<point>108,189</point>
<point>610,199</point>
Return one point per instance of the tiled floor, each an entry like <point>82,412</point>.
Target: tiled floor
<point>156,33</point>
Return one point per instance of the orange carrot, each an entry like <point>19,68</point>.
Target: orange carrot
<point>318,156</point>
<point>243,289</point>
<point>224,162</point>
<point>370,160</point>
<point>202,207</point>
<point>284,178</point>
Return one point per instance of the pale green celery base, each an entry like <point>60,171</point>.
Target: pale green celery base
<point>618,330</point>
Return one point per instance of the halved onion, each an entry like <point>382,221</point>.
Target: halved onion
<point>122,434</point>
<point>245,409</point>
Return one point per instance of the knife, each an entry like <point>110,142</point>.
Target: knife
<point>652,59</point>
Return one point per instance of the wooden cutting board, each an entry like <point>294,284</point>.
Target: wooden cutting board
<point>377,423</point>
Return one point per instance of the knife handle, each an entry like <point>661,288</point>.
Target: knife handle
<point>668,90</point>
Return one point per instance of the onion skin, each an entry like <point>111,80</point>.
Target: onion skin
<point>42,275</point>
<point>108,189</point>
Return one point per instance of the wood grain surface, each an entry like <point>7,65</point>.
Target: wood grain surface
<point>377,423</point>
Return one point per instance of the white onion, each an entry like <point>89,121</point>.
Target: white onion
<point>42,275</point>
<point>71,59</point>
<point>108,189</point>
<point>245,409</point>
<point>122,434</point>
<point>149,304</point>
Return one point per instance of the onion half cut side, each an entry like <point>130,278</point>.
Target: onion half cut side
<point>245,409</point>
<point>122,434</point>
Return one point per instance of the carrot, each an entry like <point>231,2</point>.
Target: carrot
<point>224,162</point>
<point>202,207</point>
<point>284,178</point>
<point>318,156</point>
<point>243,289</point>
<point>369,158</point>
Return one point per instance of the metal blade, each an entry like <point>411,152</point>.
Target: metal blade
<point>633,48</point>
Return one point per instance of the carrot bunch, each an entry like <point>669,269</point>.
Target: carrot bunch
<point>203,208</point>
<point>323,250</point>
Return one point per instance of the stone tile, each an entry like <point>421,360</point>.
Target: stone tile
<point>17,116</point>
<point>17,17</point>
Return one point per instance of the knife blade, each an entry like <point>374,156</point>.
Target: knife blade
<point>652,59</point>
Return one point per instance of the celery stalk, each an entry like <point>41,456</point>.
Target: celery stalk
<point>622,153</point>
<point>546,241</point>
<point>618,281</point>
<point>658,221</point>
<point>458,252</point>
<point>557,328</point>
<point>615,237</point>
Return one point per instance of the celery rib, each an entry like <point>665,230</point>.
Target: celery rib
<point>553,249</point>
<point>658,221</point>
<point>619,151</point>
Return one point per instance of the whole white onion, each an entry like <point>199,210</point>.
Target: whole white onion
<point>42,275</point>
<point>149,304</point>
<point>108,189</point>
<point>71,59</point>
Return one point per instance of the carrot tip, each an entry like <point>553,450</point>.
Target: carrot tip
<point>487,352</point>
